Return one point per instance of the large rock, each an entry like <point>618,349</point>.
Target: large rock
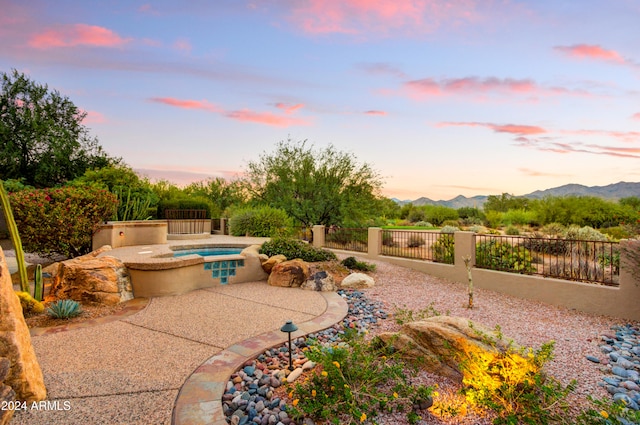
<point>292,273</point>
<point>89,278</point>
<point>320,281</point>
<point>24,374</point>
<point>7,395</point>
<point>441,342</point>
<point>357,281</point>
<point>268,265</point>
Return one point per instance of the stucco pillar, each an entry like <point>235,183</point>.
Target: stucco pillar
<point>375,241</point>
<point>318,235</point>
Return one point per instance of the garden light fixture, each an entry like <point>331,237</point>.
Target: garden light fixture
<point>289,327</point>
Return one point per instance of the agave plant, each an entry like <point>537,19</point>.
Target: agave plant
<point>64,309</point>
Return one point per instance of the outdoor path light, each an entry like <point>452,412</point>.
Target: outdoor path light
<point>289,327</point>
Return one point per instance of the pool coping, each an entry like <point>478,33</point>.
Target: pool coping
<point>199,400</point>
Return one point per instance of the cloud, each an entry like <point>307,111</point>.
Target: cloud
<point>246,115</point>
<point>264,118</point>
<point>381,17</point>
<point>590,51</point>
<point>625,136</point>
<point>517,129</point>
<point>536,173</point>
<point>187,104</point>
<point>77,35</point>
<point>182,44</point>
<point>94,117</point>
<point>636,116</point>
<point>287,108</point>
<point>374,112</point>
<point>382,68</point>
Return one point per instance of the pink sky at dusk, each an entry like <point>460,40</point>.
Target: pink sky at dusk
<point>442,97</point>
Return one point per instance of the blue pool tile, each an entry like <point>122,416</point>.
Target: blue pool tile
<point>232,272</point>
<point>240,263</point>
<point>223,280</point>
<point>224,273</point>
<point>224,264</point>
<point>232,263</point>
<point>215,273</point>
<point>207,266</point>
<point>216,265</point>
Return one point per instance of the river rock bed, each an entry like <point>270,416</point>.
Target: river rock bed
<point>249,396</point>
<point>622,361</point>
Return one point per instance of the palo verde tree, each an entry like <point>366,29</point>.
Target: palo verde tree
<point>42,139</point>
<point>315,186</point>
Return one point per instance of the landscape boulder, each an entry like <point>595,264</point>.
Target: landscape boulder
<point>89,278</point>
<point>320,281</point>
<point>440,343</point>
<point>7,395</point>
<point>357,281</point>
<point>23,373</point>
<point>270,262</point>
<point>292,273</point>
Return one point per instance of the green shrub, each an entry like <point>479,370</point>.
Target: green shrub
<point>423,224</point>
<point>553,229</point>
<point>353,264</point>
<point>496,255</point>
<point>293,248</point>
<point>415,241</point>
<point>493,219</point>
<point>356,383</point>
<point>545,245</point>
<point>519,217</point>
<point>512,231</point>
<point>261,222</point>
<point>618,232</point>
<point>64,309</point>
<point>585,233</point>
<point>449,229</point>
<point>61,220</point>
<point>513,385</point>
<point>444,249</point>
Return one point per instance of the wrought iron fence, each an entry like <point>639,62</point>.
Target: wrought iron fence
<point>346,238</point>
<point>185,222</point>
<point>577,260</point>
<point>420,245</point>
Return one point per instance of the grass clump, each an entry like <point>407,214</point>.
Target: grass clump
<point>354,383</point>
<point>293,248</point>
<point>353,264</point>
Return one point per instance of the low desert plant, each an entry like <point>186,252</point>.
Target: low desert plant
<point>353,264</point>
<point>64,309</point>
<point>354,383</point>
<point>387,238</point>
<point>512,231</point>
<point>605,411</point>
<point>423,224</point>
<point>403,315</point>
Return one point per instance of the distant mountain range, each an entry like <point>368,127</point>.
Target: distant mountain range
<point>612,192</point>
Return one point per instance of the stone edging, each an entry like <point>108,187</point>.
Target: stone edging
<point>200,398</point>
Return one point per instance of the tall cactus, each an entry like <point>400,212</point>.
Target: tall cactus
<point>38,283</point>
<point>15,238</point>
